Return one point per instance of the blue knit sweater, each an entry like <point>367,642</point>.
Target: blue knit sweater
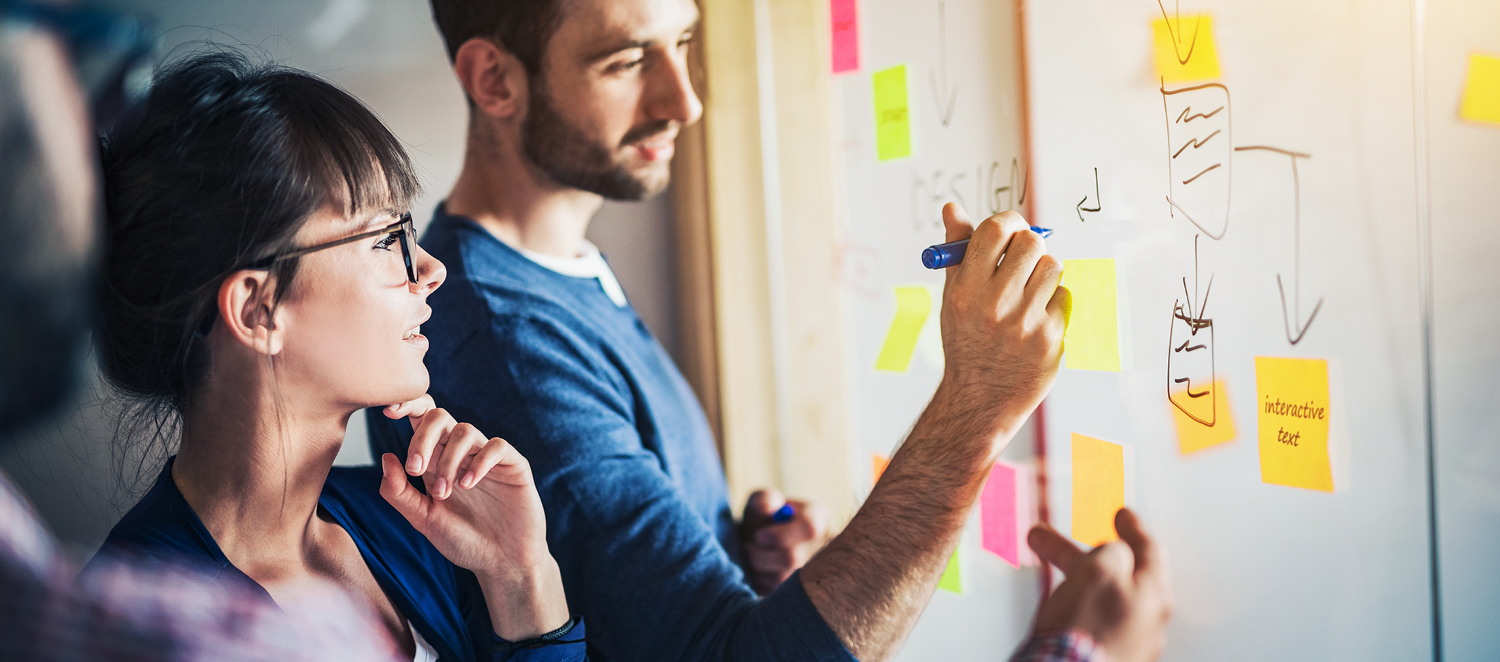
<point>637,507</point>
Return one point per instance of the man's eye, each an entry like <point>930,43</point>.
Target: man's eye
<point>388,241</point>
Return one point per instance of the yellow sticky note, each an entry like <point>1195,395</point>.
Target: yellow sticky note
<point>1098,489</point>
<point>1293,405</point>
<point>1482,89</point>
<point>1092,341</point>
<point>892,119</point>
<point>950,579</point>
<point>1184,48</point>
<point>912,306</point>
<point>878,464</point>
<point>1196,432</point>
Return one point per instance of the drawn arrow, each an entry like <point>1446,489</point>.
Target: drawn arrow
<point>1097,205</point>
<point>945,109</point>
<point>1291,320</point>
<point>1173,25</point>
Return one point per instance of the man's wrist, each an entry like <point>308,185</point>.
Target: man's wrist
<point>958,408</point>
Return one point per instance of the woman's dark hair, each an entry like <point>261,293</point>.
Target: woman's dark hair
<point>218,168</point>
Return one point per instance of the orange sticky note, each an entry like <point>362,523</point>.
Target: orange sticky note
<point>1293,415</point>
<point>1203,421</point>
<point>1481,101</point>
<point>878,465</point>
<point>1184,49</point>
<point>1098,489</point>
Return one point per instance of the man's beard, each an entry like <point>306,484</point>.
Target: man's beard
<point>573,159</point>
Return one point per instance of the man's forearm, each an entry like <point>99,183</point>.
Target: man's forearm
<point>871,582</point>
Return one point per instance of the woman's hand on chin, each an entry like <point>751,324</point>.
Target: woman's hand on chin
<point>482,512</point>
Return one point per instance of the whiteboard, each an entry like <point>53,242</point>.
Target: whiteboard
<point>1261,571</point>
<point>1464,168</point>
<point>1313,236</point>
<point>963,71</point>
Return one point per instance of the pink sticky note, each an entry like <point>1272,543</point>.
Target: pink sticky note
<point>998,513</point>
<point>845,28</point>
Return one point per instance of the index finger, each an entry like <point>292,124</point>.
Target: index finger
<point>956,227</point>
<point>416,408</point>
<point>1052,547</point>
<point>809,523</point>
<point>1147,553</point>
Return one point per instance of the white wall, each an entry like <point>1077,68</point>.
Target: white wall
<point>389,54</point>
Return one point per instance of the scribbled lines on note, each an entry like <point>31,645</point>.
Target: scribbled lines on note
<point>1190,352</point>
<point>1200,155</point>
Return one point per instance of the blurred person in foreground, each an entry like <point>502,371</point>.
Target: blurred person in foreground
<point>49,199</point>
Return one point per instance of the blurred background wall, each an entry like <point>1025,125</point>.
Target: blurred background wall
<point>388,54</point>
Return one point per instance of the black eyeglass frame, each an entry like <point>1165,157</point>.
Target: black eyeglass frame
<point>405,226</point>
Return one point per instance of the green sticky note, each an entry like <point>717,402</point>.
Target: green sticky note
<point>1092,341</point>
<point>892,121</point>
<point>950,580</point>
<point>912,307</point>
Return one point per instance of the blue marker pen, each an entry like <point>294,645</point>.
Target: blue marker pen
<point>783,514</point>
<point>950,254</point>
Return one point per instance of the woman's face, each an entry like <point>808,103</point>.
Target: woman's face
<point>350,318</point>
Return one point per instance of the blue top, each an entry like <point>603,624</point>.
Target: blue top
<point>440,600</point>
<point>637,506</point>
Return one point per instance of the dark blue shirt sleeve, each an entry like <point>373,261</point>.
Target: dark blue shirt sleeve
<point>637,561</point>
<point>559,652</point>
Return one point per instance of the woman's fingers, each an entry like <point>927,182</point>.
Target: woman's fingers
<point>462,441</point>
<point>430,431</point>
<point>397,491</point>
<point>499,460</point>
<point>416,407</point>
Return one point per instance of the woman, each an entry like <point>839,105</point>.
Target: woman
<point>262,285</point>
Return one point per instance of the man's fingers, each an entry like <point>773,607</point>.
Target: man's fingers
<point>1052,547</point>
<point>1021,254</point>
<point>1044,280</point>
<point>772,559</point>
<point>990,240</point>
<point>763,503</point>
<point>1061,304</point>
<point>429,431</point>
<point>462,441</point>
<point>416,407</point>
<point>1148,556</point>
<point>809,523</point>
<point>956,223</point>
<point>399,493</point>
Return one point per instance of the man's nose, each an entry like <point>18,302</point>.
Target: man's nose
<point>672,96</point>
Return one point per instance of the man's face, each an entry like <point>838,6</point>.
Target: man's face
<point>613,93</point>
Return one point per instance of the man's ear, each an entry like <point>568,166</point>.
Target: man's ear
<point>494,79</point>
<point>246,300</point>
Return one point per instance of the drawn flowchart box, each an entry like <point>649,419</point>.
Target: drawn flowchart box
<point>1200,154</point>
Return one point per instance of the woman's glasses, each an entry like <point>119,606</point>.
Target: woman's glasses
<point>403,229</point>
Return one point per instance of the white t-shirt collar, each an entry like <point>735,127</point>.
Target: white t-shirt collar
<point>589,264</point>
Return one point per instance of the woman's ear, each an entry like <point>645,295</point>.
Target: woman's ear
<point>493,77</point>
<point>246,301</point>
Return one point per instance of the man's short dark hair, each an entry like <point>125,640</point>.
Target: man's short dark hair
<point>522,27</point>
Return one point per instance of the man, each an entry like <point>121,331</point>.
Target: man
<point>49,198</point>
<point>573,102</point>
